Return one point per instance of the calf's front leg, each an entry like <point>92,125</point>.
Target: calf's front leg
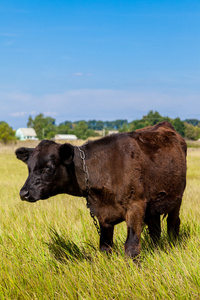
<point>134,220</point>
<point>106,238</point>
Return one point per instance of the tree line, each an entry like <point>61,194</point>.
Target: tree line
<point>46,127</point>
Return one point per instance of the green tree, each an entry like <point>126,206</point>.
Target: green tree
<point>137,124</point>
<point>124,128</point>
<point>50,134</point>
<point>50,128</point>
<point>82,132</point>
<point>30,122</point>
<point>153,118</point>
<point>120,123</point>
<point>6,133</point>
<point>192,132</point>
<point>92,124</point>
<point>44,126</point>
<point>67,123</point>
<point>64,129</point>
<point>99,125</point>
<point>179,126</point>
<point>194,122</point>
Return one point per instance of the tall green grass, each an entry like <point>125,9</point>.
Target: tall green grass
<point>49,249</point>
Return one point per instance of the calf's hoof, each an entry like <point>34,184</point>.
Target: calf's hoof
<point>132,252</point>
<point>106,249</point>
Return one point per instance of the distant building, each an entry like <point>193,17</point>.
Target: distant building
<point>113,131</point>
<point>65,137</point>
<point>105,132</point>
<point>26,134</point>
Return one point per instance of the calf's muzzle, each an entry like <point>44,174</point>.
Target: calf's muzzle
<point>24,194</point>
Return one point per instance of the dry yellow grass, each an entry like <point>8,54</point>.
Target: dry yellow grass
<point>49,249</point>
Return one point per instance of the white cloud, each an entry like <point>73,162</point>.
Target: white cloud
<point>78,74</point>
<point>18,114</point>
<point>6,34</point>
<point>33,112</point>
<point>104,104</point>
<point>16,96</point>
<point>81,74</point>
<point>23,113</point>
<point>108,103</point>
<point>66,57</point>
<point>50,113</point>
<point>8,43</point>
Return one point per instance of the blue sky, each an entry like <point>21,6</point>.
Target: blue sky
<point>105,60</point>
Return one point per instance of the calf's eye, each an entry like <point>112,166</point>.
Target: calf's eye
<point>48,168</point>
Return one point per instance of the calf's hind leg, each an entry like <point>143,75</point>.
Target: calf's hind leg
<point>173,221</point>
<point>153,222</point>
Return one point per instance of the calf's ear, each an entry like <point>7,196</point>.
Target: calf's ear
<point>24,153</point>
<point>66,152</point>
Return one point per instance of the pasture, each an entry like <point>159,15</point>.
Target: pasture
<point>49,249</point>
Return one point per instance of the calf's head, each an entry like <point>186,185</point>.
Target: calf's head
<point>49,167</point>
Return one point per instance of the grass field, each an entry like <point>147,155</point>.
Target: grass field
<point>49,249</point>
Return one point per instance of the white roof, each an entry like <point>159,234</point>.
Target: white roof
<point>28,131</point>
<point>65,137</point>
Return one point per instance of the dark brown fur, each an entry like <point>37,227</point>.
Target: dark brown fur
<point>133,177</point>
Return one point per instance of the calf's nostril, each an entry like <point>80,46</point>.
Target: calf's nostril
<point>24,194</point>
